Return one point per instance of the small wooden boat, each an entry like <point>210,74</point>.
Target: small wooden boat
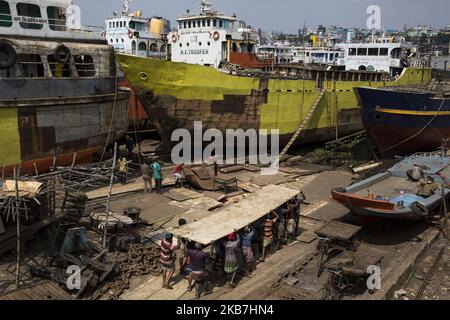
<point>392,195</point>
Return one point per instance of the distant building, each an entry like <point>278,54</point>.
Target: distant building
<point>441,63</point>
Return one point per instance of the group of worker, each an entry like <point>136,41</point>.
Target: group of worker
<point>270,232</point>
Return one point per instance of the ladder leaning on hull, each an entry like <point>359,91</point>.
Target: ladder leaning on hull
<point>304,123</point>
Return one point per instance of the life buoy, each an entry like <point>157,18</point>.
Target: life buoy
<point>62,54</point>
<point>174,38</point>
<point>216,35</point>
<point>8,55</point>
<point>130,33</point>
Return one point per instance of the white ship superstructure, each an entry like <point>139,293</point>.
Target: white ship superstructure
<point>130,33</point>
<point>211,38</point>
<point>382,55</point>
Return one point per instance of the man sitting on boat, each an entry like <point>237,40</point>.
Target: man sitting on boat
<point>415,173</point>
<point>428,188</point>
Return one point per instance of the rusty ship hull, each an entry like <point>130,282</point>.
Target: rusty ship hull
<point>70,113</point>
<point>175,95</point>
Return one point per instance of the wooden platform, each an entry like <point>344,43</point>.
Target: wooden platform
<point>40,291</point>
<point>338,231</point>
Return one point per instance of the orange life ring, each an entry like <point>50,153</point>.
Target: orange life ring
<point>216,35</point>
<point>174,38</point>
<point>130,33</point>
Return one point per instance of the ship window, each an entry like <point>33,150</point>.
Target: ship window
<point>352,52</point>
<point>194,23</point>
<point>208,22</point>
<point>373,51</point>
<point>214,22</point>
<point>220,23</point>
<point>362,51</point>
<point>189,24</point>
<point>185,24</point>
<point>200,44</point>
<point>56,18</point>
<point>163,48</point>
<point>32,14</point>
<point>85,65</point>
<point>187,44</point>
<point>384,51</point>
<point>203,23</point>
<point>154,47</point>
<point>30,65</point>
<point>58,69</point>
<point>132,25</point>
<point>5,15</point>
<point>133,47</point>
<point>110,25</point>
<point>209,43</point>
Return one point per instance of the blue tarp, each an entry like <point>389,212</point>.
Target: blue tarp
<point>407,199</point>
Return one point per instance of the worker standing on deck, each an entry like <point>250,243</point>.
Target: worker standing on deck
<point>197,265</point>
<point>146,177</point>
<point>157,175</point>
<point>247,249</point>
<point>123,170</point>
<point>267,228</point>
<point>167,260</point>
<point>231,263</point>
<point>280,227</point>
<point>298,214</point>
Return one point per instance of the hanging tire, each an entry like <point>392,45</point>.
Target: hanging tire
<point>62,54</point>
<point>419,209</point>
<point>8,55</point>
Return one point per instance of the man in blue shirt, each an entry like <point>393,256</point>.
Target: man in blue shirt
<point>157,175</point>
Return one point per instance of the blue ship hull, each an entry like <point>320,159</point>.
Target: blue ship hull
<point>402,123</point>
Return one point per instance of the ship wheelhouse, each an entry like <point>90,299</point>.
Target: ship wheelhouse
<point>212,38</point>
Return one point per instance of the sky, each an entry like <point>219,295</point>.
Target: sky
<point>287,15</point>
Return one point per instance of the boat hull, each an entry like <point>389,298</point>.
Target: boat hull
<point>34,131</point>
<point>404,123</point>
<point>175,95</point>
<point>371,208</point>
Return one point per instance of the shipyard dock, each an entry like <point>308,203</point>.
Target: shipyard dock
<point>412,256</point>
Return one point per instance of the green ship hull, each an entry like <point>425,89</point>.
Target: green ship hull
<point>175,95</point>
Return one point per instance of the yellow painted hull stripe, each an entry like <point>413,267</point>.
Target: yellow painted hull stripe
<point>413,113</point>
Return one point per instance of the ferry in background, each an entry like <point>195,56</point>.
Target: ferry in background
<point>58,88</point>
<point>131,33</point>
<point>213,75</point>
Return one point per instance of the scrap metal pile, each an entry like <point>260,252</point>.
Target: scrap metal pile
<point>141,260</point>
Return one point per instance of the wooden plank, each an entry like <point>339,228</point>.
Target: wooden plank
<point>237,215</point>
<point>41,291</point>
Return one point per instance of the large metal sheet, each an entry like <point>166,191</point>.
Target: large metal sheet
<point>237,215</point>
